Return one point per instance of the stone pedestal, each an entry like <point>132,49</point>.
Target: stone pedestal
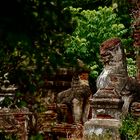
<point>102,129</point>
<point>106,115</point>
<point>106,104</point>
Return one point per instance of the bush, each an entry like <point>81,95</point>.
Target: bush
<point>130,128</point>
<point>131,67</point>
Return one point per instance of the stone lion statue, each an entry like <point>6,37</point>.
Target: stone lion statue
<point>114,74</point>
<point>77,97</point>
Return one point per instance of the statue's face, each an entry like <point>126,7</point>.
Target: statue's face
<point>106,55</point>
<point>111,54</point>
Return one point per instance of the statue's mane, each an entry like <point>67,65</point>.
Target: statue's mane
<point>110,43</point>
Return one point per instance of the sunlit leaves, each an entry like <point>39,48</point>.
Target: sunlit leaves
<point>93,27</point>
<point>131,67</point>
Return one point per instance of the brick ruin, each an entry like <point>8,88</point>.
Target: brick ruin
<point>107,104</point>
<point>135,12</point>
<point>113,99</point>
<point>19,122</point>
<point>12,121</point>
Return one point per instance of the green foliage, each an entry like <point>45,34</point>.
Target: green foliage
<point>93,28</point>
<point>120,3</point>
<point>6,102</point>
<point>31,44</point>
<point>131,67</point>
<point>37,137</point>
<point>87,4</point>
<point>130,128</point>
<point>5,136</point>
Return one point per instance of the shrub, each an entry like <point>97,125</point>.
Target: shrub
<point>130,128</point>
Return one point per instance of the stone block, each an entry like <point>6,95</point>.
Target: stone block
<point>102,129</point>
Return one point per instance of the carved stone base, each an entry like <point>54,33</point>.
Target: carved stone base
<point>102,129</point>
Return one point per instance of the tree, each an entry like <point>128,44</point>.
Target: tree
<point>94,27</point>
<point>32,37</point>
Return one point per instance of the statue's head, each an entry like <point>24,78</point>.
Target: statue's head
<point>111,51</point>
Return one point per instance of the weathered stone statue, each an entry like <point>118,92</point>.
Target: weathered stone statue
<point>77,97</point>
<point>114,76</point>
<point>115,93</point>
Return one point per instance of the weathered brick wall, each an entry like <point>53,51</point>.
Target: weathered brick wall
<point>135,12</point>
<point>56,82</point>
<point>14,121</point>
<point>21,122</point>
